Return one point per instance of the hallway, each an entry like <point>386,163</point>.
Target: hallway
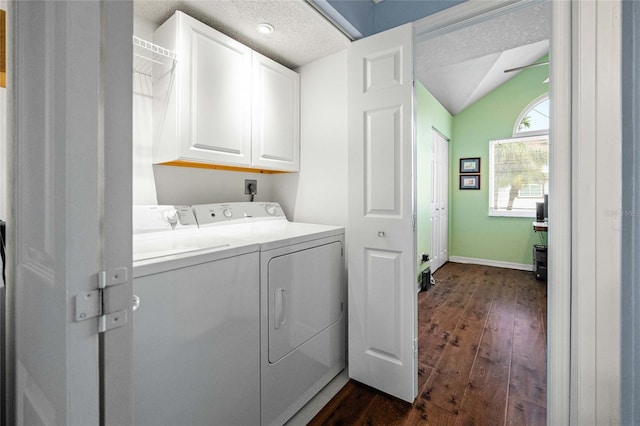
<point>481,359</point>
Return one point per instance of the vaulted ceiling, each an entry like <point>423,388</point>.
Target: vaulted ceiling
<point>460,67</point>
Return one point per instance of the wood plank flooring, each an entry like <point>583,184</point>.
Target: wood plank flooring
<point>481,356</point>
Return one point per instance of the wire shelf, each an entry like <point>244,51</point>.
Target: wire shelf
<point>147,54</point>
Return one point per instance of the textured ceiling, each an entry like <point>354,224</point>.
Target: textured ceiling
<point>301,34</point>
<point>460,67</point>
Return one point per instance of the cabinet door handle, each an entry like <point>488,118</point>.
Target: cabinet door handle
<point>381,234</point>
<point>279,308</point>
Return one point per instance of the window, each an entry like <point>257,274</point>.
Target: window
<point>519,167</point>
<point>531,190</point>
<point>518,175</point>
<point>534,119</point>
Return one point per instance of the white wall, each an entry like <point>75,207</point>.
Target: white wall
<point>3,152</point>
<point>187,186</point>
<point>178,185</point>
<point>3,209</point>
<point>3,129</point>
<point>319,192</point>
<point>144,189</point>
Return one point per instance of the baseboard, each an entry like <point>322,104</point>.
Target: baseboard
<point>496,263</point>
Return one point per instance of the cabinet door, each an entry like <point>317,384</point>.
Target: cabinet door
<point>275,116</point>
<point>216,95</point>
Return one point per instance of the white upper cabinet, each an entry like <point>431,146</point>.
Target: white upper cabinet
<point>276,115</point>
<point>222,103</point>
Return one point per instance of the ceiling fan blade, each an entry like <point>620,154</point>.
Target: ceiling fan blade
<point>537,64</point>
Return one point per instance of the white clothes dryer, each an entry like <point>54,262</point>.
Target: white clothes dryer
<point>302,320</point>
<point>197,327</point>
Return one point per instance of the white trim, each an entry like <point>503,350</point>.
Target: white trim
<point>489,262</point>
<point>464,14</point>
<point>596,145</point>
<point>559,256</point>
<point>512,213</point>
<point>559,300</point>
<point>334,17</point>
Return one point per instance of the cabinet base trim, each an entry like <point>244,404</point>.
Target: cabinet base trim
<point>193,164</point>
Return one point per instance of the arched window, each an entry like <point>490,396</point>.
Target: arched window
<point>534,119</point>
<point>519,166</point>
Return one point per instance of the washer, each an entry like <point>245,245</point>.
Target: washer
<point>302,321</point>
<point>197,327</point>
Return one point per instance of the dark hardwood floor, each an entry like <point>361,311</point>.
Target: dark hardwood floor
<point>482,345</point>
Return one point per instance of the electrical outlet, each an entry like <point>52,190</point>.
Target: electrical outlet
<point>250,186</point>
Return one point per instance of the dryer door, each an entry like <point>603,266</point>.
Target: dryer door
<point>305,295</point>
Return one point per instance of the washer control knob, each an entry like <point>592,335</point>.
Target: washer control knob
<point>227,212</point>
<point>271,209</point>
<point>171,216</point>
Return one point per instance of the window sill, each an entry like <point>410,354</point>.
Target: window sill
<point>513,213</point>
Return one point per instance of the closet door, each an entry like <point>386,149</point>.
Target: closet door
<point>439,201</point>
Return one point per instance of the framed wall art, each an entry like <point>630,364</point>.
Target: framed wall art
<point>469,181</point>
<point>470,165</point>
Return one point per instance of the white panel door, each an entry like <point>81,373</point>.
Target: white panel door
<point>275,115</point>
<point>71,158</point>
<point>382,297</point>
<point>439,201</point>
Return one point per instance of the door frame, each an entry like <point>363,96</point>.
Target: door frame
<point>559,378</point>
<point>583,368</point>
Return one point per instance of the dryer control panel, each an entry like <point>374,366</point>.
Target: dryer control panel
<point>211,214</point>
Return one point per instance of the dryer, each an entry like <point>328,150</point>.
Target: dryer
<point>197,327</point>
<point>302,320</point>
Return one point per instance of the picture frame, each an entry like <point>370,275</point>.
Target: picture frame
<point>470,165</point>
<point>469,181</point>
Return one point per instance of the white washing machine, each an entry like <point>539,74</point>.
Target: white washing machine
<point>197,327</point>
<point>302,321</point>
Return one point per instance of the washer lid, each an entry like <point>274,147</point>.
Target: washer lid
<point>160,251</point>
<point>157,245</point>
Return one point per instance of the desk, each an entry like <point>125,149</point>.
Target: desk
<point>540,226</point>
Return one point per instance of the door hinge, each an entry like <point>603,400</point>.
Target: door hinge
<point>90,304</point>
<point>415,347</point>
<point>415,222</point>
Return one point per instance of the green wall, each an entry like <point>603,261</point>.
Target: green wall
<point>430,115</point>
<point>472,232</point>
